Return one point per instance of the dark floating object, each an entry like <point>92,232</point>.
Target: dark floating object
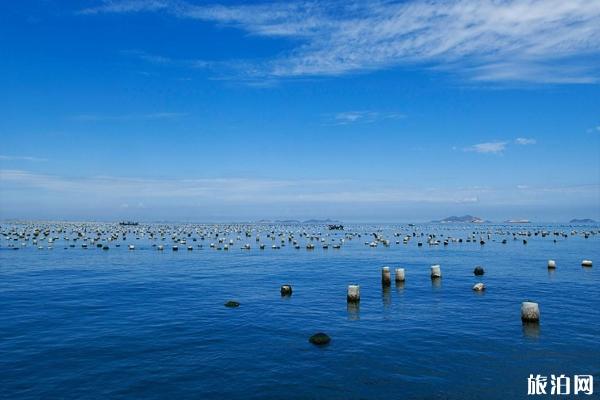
<point>286,290</point>
<point>478,271</point>
<point>335,227</point>
<point>320,339</point>
<point>232,304</point>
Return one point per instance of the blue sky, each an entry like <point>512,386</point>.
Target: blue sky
<point>237,111</point>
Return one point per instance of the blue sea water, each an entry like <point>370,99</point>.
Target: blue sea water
<point>77,323</point>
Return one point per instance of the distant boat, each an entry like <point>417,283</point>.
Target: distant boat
<point>128,223</point>
<point>518,221</point>
<point>335,227</point>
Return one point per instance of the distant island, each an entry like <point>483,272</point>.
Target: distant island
<point>517,221</point>
<point>582,221</point>
<point>465,219</point>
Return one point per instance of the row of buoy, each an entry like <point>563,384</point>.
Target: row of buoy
<point>530,311</point>
<point>584,263</point>
<point>179,234</point>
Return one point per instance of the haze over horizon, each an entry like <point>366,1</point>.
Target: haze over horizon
<point>369,111</point>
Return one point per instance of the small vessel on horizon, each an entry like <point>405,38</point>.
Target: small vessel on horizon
<point>129,223</point>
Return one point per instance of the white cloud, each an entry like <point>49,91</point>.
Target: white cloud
<point>525,141</point>
<point>127,117</point>
<point>349,117</point>
<point>489,147</point>
<point>545,40</point>
<point>127,191</point>
<point>21,158</point>
<point>127,6</point>
<point>172,195</point>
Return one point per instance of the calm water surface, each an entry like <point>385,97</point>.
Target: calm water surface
<point>78,323</point>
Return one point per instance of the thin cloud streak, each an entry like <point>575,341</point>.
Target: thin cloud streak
<point>237,191</point>
<point>488,148</point>
<point>351,117</point>
<point>127,117</point>
<point>525,141</point>
<point>546,41</point>
<point>22,158</point>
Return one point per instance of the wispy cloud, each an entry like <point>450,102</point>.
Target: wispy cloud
<point>127,117</point>
<point>116,6</point>
<point>488,148</point>
<point>120,191</point>
<point>158,59</point>
<point>350,117</point>
<point>545,40</point>
<point>22,158</point>
<point>234,190</point>
<point>525,141</point>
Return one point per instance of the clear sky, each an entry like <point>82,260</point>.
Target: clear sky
<point>360,111</point>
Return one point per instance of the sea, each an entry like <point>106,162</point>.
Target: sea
<point>94,323</point>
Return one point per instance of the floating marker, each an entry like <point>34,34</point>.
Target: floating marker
<point>319,339</point>
<point>399,276</point>
<point>530,312</point>
<point>353,294</point>
<point>286,290</point>
<point>385,276</point>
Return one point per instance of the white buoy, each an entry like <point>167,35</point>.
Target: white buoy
<point>353,293</point>
<point>551,264</point>
<point>586,263</point>
<point>131,247</point>
<point>399,275</point>
<point>385,276</point>
<point>479,287</point>
<point>436,271</point>
<point>530,312</point>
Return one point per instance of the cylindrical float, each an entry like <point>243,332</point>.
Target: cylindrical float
<point>385,276</point>
<point>530,312</point>
<point>400,276</point>
<point>353,293</point>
